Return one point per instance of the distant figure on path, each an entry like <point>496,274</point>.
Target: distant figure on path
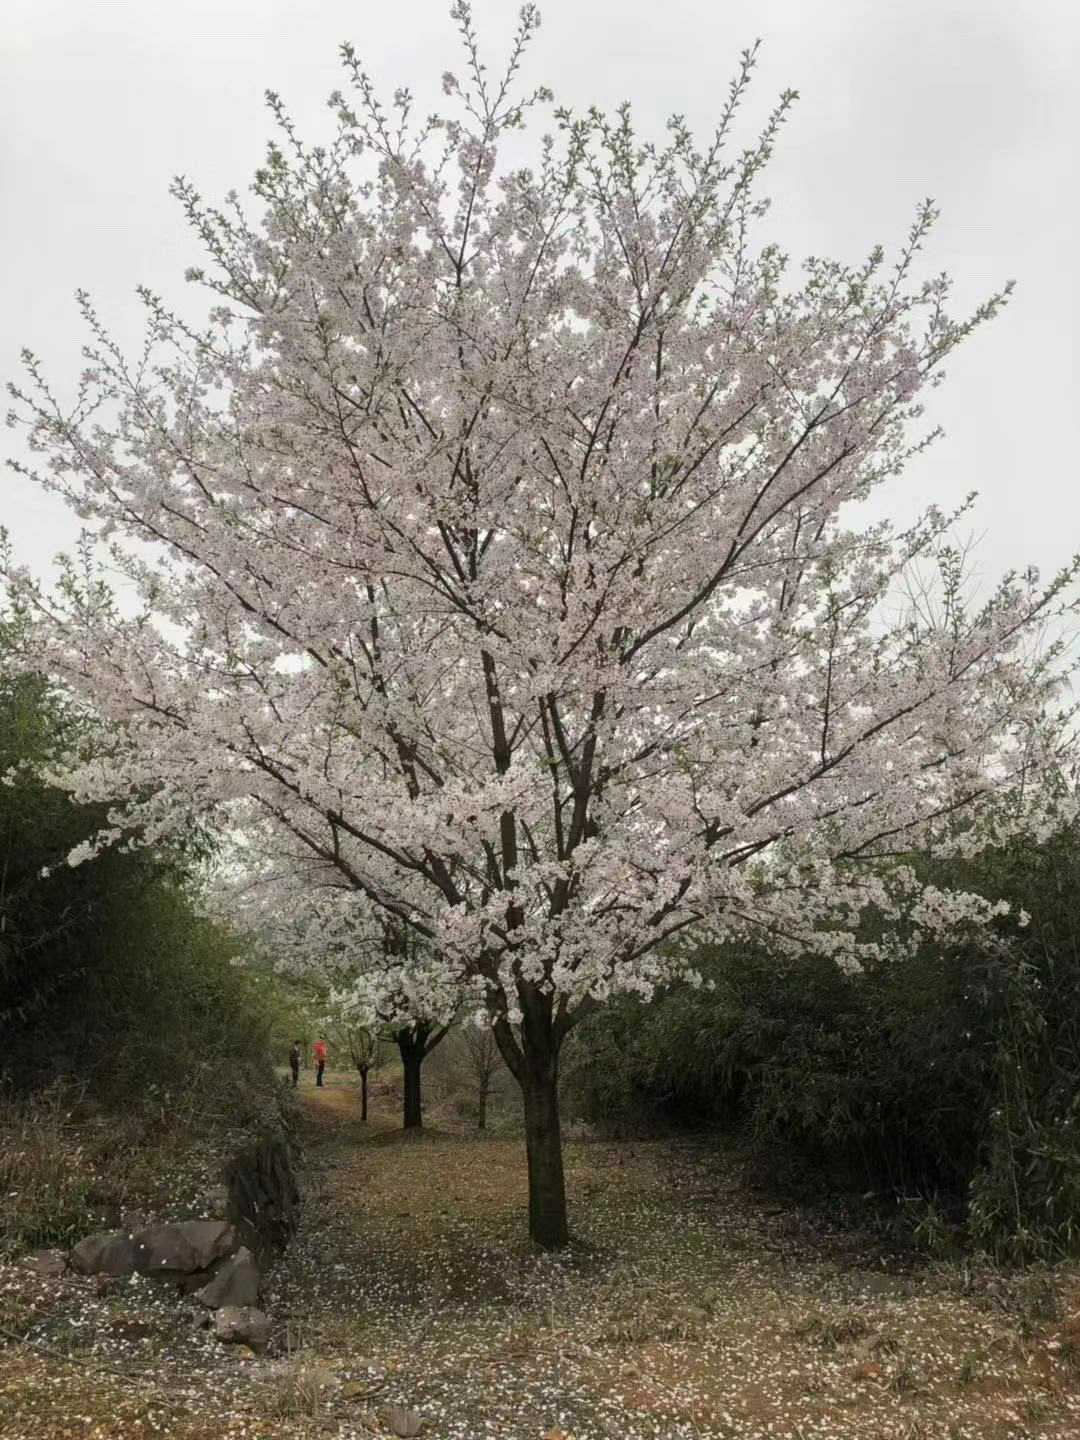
<point>320,1059</point>
<point>294,1063</point>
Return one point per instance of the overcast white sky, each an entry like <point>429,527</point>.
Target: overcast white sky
<point>974,102</point>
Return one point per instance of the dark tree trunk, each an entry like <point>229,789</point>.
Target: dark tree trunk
<point>548,1226</point>
<point>414,1114</point>
<point>363,1092</point>
<point>532,1056</point>
<point>412,1045</point>
<point>481,1119</point>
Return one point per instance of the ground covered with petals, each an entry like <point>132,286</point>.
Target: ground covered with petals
<point>689,1306</point>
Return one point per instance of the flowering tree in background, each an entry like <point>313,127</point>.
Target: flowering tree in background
<point>411,997</point>
<point>361,1044</point>
<point>502,557</point>
<point>378,978</point>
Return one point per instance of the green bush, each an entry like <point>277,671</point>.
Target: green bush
<point>108,975</point>
<point>949,1082</point>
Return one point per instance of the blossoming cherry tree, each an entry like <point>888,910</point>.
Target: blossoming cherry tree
<point>497,541</point>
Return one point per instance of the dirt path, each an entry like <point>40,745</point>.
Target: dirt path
<point>686,1310</point>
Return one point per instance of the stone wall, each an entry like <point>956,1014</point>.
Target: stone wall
<point>264,1201</point>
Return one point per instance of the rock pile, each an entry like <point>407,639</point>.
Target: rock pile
<point>215,1263</point>
<point>204,1258</point>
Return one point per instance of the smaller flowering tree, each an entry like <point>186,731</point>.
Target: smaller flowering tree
<point>360,1041</point>
<point>377,978</point>
<point>508,558</point>
<point>408,995</point>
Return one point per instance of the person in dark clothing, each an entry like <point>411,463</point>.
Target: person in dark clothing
<point>294,1063</point>
<point>320,1059</point>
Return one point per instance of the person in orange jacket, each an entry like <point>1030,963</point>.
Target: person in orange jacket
<point>320,1059</point>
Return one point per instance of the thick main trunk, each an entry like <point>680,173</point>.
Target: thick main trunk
<point>481,1119</point>
<point>412,1057</point>
<point>532,1055</point>
<point>548,1226</point>
<point>363,1093</point>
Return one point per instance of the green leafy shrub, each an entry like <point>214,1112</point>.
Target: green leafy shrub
<point>132,1039</point>
<point>949,1082</point>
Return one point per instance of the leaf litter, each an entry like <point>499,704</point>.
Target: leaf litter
<point>685,1309</point>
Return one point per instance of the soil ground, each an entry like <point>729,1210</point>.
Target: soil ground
<point>688,1306</point>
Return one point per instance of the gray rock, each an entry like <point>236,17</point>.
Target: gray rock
<point>242,1325</point>
<point>235,1284</point>
<point>107,1252</point>
<point>47,1263</point>
<point>183,1248</point>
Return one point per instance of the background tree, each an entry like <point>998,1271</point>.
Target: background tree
<point>362,1043</point>
<point>415,1043</point>
<point>507,559</point>
<point>357,1036</point>
<point>484,1061</point>
<point>375,976</point>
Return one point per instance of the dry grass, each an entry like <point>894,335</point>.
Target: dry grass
<point>683,1310</point>
<point>68,1167</point>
